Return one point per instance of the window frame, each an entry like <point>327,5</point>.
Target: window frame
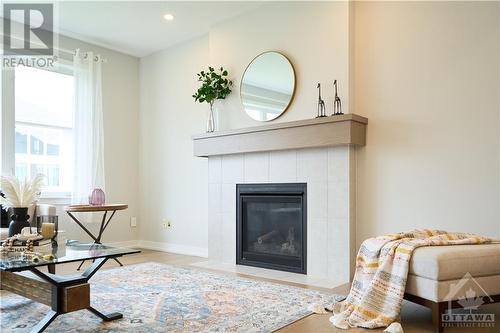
<point>8,125</point>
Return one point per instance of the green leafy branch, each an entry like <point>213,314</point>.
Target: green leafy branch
<point>214,85</point>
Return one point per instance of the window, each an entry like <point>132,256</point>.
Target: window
<point>35,170</point>
<point>21,143</point>
<point>43,103</point>
<point>21,170</point>
<point>36,146</point>
<point>50,171</point>
<point>52,149</point>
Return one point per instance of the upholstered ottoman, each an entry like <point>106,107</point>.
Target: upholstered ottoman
<point>440,276</point>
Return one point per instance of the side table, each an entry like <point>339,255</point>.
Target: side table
<point>104,222</point>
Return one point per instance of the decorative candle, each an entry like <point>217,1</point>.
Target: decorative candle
<point>48,230</point>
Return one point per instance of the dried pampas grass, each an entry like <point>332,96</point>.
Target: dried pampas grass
<point>20,194</point>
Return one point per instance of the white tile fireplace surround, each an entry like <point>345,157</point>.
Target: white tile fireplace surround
<point>330,175</point>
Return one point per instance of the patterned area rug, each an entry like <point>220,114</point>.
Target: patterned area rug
<point>159,298</point>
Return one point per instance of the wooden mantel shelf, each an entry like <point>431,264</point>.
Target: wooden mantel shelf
<point>347,129</point>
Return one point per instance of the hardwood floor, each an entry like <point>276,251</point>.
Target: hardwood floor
<point>414,318</point>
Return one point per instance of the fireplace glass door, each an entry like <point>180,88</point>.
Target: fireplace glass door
<point>271,226</point>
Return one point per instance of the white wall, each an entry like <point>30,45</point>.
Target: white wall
<point>173,182</point>
<point>120,80</point>
<point>425,74</point>
<point>427,77</point>
<point>314,36</point>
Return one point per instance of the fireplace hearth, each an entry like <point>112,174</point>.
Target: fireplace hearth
<point>271,226</point>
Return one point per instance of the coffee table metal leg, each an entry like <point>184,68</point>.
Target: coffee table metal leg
<point>58,286</point>
<point>105,317</point>
<point>81,264</point>
<point>45,322</point>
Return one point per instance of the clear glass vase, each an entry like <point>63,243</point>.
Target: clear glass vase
<point>212,119</point>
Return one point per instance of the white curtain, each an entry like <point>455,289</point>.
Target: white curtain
<point>88,127</point>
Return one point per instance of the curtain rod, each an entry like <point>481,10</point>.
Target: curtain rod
<point>77,52</point>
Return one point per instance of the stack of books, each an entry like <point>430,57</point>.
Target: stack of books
<point>42,245</point>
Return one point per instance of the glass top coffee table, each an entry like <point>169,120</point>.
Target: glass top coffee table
<point>21,275</point>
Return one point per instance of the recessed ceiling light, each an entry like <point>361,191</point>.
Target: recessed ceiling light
<point>168,17</point>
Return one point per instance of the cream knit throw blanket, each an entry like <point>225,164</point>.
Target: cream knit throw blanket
<point>380,279</point>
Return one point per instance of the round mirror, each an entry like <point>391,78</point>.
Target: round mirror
<point>267,86</point>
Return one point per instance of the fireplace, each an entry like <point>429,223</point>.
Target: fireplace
<point>271,224</point>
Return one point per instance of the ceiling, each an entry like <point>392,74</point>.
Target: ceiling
<point>138,28</point>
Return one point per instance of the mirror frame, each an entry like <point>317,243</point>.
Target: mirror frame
<point>294,85</point>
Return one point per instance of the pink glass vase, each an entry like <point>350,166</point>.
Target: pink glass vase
<point>97,198</point>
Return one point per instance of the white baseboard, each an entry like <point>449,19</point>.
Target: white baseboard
<point>165,247</point>
<point>131,243</point>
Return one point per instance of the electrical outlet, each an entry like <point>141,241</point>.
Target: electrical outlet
<point>133,222</point>
<point>165,223</point>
